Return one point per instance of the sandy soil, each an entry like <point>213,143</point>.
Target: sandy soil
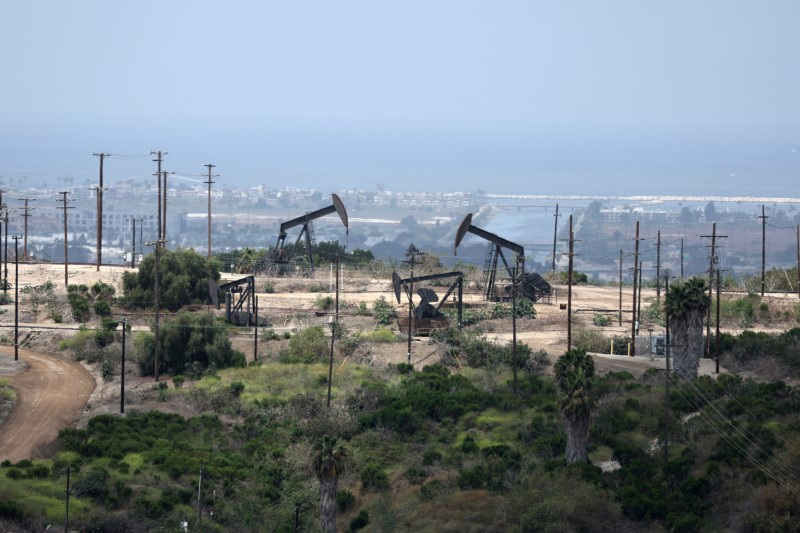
<point>51,394</point>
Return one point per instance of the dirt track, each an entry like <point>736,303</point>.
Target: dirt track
<point>51,394</point>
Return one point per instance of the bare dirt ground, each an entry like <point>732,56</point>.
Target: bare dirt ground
<point>51,393</point>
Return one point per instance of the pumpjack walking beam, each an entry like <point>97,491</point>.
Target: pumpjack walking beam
<point>404,283</point>
<point>305,221</point>
<point>497,252</point>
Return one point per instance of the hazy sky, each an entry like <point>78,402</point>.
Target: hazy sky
<point>387,90</point>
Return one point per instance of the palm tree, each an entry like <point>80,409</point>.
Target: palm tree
<point>574,372</point>
<point>328,462</point>
<point>685,305</point>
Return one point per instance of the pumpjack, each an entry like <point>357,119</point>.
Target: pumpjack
<point>428,317</point>
<point>281,257</point>
<point>240,301</point>
<point>529,285</point>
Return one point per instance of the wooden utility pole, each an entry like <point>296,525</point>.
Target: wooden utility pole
<point>102,157</point>
<point>569,285</point>
<point>164,210</point>
<point>157,243</point>
<point>669,377</point>
<point>658,268</point>
<point>209,182</point>
<point>763,218</point>
<point>25,215</point>
<point>635,276</point>
<point>555,236</point>
<point>716,345</point>
<point>158,160</point>
<point>620,288</point>
<point>255,329</point>
<point>133,244</point>
<point>639,298</point>
<point>5,253</point>
<point>334,326</point>
<point>411,253</point>
<point>681,260</point>
<point>514,325</point>
<point>122,370</point>
<point>712,261</point>
<point>16,297</point>
<point>66,244</point>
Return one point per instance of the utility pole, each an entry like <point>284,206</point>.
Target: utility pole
<point>158,160</point>
<point>716,345</point>
<point>658,268</point>
<point>620,288</point>
<point>25,215</point>
<point>668,375</point>
<point>681,260</point>
<point>639,302</point>
<point>157,243</point>
<point>798,260</point>
<point>122,370</point>
<point>569,285</point>
<point>66,244</point>
<point>16,297</point>
<point>334,327</point>
<point>5,253</point>
<point>133,244</point>
<point>555,236</point>
<point>712,260</point>
<point>255,329</point>
<point>763,218</point>
<point>514,325</point>
<point>412,254</point>
<point>102,157</point>
<point>209,182</point>
<point>635,276</point>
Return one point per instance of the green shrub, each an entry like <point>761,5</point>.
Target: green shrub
<point>344,500</point>
<point>178,380</point>
<point>268,287</point>
<point>92,483</point>
<point>236,388</point>
<point>307,346</point>
<point>185,339</point>
<point>360,521</point>
<point>383,311</point>
<point>78,298</point>
<point>384,335</point>
<point>183,280</point>
<point>600,320</point>
<point>102,308</point>
<point>316,287</point>
<point>372,476</point>
<point>324,303</point>
<point>415,476</point>
<point>431,489</point>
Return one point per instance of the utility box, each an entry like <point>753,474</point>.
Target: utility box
<point>658,346</point>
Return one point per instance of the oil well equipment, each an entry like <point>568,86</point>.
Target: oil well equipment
<point>427,316</point>
<point>529,285</point>
<point>282,256</point>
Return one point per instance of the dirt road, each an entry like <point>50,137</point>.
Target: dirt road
<point>51,394</point>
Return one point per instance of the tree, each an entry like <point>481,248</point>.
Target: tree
<point>685,305</point>
<point>328,464</point>
<point>574,372</point>
<point>184,279</point>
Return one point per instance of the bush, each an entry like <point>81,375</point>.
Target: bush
<point>268,287</point>
<point>78,298</point>
<point>324,303</point>
<point>102,308</point>
<point>184,340</point>
<point>383,311</point>
<point>344,500</point>
<point>307,346</point>
<point>183,280</point>
<point>360,521</point>
<point>373,476</point>
<point>600,320</point>
<point>236,388</point>
<point>178,380</point>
